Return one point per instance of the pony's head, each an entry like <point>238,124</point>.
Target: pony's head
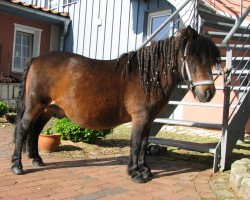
<point>196,57</point>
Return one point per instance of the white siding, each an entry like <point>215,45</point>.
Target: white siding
<point>88,28</point>
<point>116,29</point>
<point>108,30</point>
<point>100,43</point>
<point>105,29</point>
<point>124,28</point>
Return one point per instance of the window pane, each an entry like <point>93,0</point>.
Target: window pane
<point>156,23</point>
<point>17,50</point>
<point>24,62</point>
<point>18,38</point>
<point>26,40</point>
<point>17,62</point>
<point>26,52</point>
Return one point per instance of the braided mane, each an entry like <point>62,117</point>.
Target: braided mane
<point>153,60</point>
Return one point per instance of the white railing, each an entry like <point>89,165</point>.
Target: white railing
<point>240,62</point>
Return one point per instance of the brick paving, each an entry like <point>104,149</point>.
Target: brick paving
<point>104,179</point>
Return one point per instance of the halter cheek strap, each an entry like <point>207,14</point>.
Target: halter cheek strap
<point>185,67</point>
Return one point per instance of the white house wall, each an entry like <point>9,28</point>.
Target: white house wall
<point>105,29</point>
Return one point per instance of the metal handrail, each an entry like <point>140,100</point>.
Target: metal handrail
<point>163,24</point>
<point>235,27</point>
<point>229,83</point>
<point>241,7</point>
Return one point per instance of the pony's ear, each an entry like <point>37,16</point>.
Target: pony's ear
<point>191,33</point>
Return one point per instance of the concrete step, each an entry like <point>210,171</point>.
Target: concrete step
<point>237,46</point>
<point>218,38</point>
<point>187,123</point>
<point>239,50</point>
<point>193,146</point>
<point>224,34</point>
<point>235,72</point>
<point>235,88</point>
<point>237,58</point>
<point>207,14</point>
<point>225,27</point>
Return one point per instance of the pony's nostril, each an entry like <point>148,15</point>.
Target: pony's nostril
<point>207,93</point>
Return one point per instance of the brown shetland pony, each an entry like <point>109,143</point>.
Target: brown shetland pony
<point>100,94</point>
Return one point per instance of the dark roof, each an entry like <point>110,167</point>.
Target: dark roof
<point>36,7</point>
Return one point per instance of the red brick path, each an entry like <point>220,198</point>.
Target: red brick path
<point>103,179</point>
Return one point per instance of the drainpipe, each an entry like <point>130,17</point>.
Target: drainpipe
<point>64,33</point>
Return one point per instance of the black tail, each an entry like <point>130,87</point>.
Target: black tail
<point>21,101</point>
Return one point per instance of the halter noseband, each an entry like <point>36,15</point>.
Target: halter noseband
<point>185,66</point>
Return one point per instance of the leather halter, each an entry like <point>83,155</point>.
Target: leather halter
<point>185,67</point>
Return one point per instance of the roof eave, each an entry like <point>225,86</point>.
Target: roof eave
<point>20,10</point>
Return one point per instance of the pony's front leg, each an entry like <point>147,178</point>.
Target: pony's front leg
<point>144,168</point>
<point>138,130</point>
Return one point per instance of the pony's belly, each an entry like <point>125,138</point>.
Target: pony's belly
<point>99,122</point>
<point>98,118</point>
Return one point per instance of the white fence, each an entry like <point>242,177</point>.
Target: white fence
<point>9,93</point>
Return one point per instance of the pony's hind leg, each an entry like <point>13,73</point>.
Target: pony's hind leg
<point>37,127</point>
<point>22,134</point>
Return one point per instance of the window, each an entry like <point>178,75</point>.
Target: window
<point>155,19</point>
<point>67,2</point>
<point>23,49</point>
<point>26,45</point>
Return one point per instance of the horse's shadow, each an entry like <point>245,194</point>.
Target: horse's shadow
<point>160,165</point>
<point>113,143</point>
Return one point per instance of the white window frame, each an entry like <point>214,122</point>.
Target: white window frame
<point>36,42</point>
<point>153,14</point>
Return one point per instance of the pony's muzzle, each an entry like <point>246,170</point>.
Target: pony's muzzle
<point>204,93</point>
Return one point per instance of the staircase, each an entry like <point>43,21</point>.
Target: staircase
<point>234,87</point>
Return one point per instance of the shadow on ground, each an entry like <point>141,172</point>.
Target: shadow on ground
<point>161,165</point>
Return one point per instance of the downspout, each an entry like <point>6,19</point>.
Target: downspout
<point>64,33</point>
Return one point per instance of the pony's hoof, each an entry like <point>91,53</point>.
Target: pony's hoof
<point>38,163</point>
<point>147,174</point>
<point>17,170</point>
<point>138,179</point>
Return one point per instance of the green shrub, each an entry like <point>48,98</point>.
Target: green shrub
<point>49,131</point>
<point>3,108</point>
<point>71,131</point>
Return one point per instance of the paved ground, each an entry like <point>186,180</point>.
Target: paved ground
<point>103,179</point>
